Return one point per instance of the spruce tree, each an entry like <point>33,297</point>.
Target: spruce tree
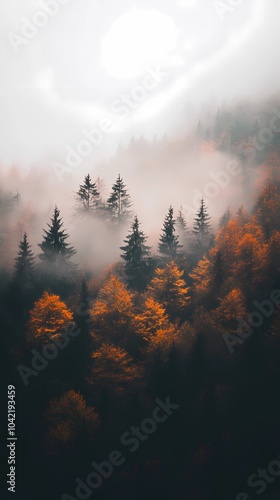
<point>119,201</point>
<point>88,195</point>
<point>138,263</point>
<point>24,262</point>
<point>55,250</point>
<point>201,221</point>
<point>169,241</point>
<point>182,227</point>
<point>225,218</point>
<point>202,231</point>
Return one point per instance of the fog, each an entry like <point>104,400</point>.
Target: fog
<point>119,87</point>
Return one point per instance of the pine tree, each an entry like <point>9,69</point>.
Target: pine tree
<point>119,201</point>
<point>138,263</point>
<point>55,250</point>
<point>201,221</point>
<point>225,218</point>
<point>182,227</point>
<point>88,195</point>
<point>169,241</point>
<point>24,264</point>
<point>202,232</point>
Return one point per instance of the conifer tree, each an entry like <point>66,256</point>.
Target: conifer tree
<point>119,201</point>
<point>169,241</point>
<point>138,263</point>
<point>201,221</point>
<point>24,263</point>
<point>88,195</point>
<point>225,218</point>
<point>55,250</point>
<point>182,227</point>
<point>202,231</point>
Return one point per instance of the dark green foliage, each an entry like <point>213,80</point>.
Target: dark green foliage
<point>169,241</point>
<point>54,248</point>
<point>136,254</point>
<point>88,195</point>
<point>119,202</point>
<point>201,221</point>
<point>24,263</point>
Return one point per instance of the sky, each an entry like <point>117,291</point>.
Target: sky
<point>74,72</point>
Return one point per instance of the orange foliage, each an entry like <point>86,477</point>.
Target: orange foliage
<point>114,370</point>
<point>170,289</point>
<point>48,319</point>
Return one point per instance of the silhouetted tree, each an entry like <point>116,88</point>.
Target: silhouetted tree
<point>202,230</point>
<point>56,253</point>
<point>119,202</point>
<point>25,263</point>
<point>169,241</point>
<point>88,195</point>
<point>136,254</point>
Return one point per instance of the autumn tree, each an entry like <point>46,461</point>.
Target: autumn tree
<point>201,279</point>
<point>88,195</point>
<point>267,209</point>
<point>250,259</point>
<point>153,326</point>
<point>25,263</point>
<point>69,421</point>
<point>169,288</point>
<point>169,242</point>
<point>231,309</point>
<point>114,371</point>
<point>48,320</point>
<point>112,311</point>
<point>136,254</point>
<point>119,202</point>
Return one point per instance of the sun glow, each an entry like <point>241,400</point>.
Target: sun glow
<point>136,39</point>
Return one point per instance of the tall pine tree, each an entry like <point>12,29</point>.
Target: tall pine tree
<point>203,237</point>
<point>169,241</point>
<point>88,195</point>
<point>138,263</point>
<point>24,263</point>
<point>201,221</point>
<point>119,202</point>
<point>55,251</point>
<point>182,227</point>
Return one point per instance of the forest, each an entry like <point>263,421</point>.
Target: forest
<point>185,331</point>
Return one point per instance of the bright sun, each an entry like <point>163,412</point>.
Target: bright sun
<point>136,39</point>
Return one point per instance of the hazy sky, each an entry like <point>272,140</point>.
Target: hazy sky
<point>125,68</point>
